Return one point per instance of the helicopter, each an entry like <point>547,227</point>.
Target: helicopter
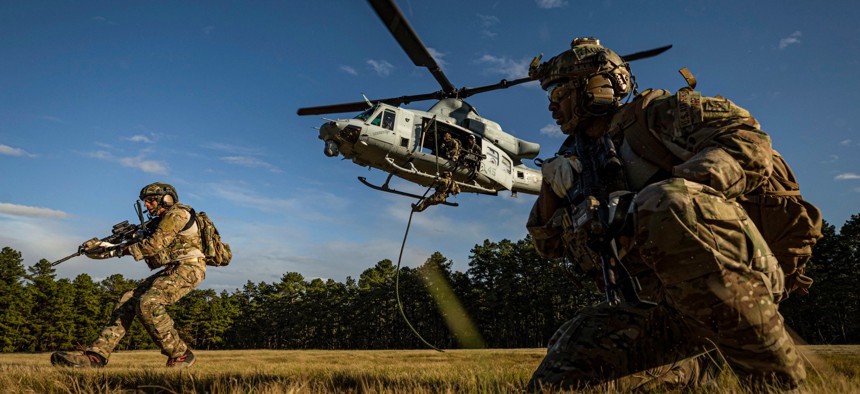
<point>408,143</point>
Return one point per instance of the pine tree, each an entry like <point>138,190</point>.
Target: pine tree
<point>51,318</point>
<point>14,309</point>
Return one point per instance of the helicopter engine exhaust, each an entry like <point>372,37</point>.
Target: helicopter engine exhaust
<point>331,148</point>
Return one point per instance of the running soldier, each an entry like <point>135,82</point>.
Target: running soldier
<point>175,246</point>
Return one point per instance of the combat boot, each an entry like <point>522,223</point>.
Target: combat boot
<point>184,361</point>
<point>79,359</point>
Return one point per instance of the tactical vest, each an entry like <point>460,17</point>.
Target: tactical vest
<point>789,224</point>
<point>186,244</point>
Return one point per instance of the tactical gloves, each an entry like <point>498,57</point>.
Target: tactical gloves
<point>560,173</point>
<point>96,249</point>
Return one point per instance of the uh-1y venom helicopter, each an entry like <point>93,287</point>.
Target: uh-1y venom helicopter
<point>407,143</point>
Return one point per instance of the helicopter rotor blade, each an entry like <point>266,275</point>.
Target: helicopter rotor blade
<point>362,105</point>
<point>645,54</point>
<point>333,108</point>
<point>503,84</point>
<point>409,41</point>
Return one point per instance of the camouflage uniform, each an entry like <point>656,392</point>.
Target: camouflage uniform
<point>444,185</point>
<point>184,267</point>
<point>471,157</point>
<point>713,278</point>
<point>450,148</point>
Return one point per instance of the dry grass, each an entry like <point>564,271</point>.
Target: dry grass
<point>836,370</point>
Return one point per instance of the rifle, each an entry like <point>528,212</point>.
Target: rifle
<point>122,234</point>
<point>596,209</point>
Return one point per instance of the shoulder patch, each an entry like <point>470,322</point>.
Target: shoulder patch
<point>689,111</point>
<point>717,104</point>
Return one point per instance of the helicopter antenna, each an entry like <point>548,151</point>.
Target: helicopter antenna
<point>369,104</point>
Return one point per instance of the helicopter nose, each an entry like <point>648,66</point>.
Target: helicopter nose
<point>328,130</point>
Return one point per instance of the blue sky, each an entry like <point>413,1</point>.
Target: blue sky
<point>98,99</point>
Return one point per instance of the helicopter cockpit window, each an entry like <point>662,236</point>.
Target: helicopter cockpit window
<point>366,114</point>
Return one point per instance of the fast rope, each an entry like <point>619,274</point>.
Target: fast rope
<point>397,278</point>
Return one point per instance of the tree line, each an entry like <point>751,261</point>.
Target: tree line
<point>509,297</point>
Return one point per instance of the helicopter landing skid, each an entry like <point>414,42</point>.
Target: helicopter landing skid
<point>385,188</point>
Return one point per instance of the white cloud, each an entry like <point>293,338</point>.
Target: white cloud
<point>489,20</point>
<point>793,38</point>
<point>830,159</point>
<point>382,67</point>
<point>143,138</point>
<point>349,70</point>
<point>509,68</point>
<point>28,211</point>
<point>550,3</point>
<point>233,149</point>
<point>250,162</point>
<point>848,176</point>
<point>488,33</point>
<point>487,23</point>
<point>552,130</point>
<point>139,162</point>
<point>10,151</point>
<point>439,57</point>
<point>53,119</point>
<point>37,238</point>
<point>845,142</point>
<point>242,196</point>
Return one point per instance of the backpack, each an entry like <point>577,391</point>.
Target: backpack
<point>217,253</point>
<point>789,224</point>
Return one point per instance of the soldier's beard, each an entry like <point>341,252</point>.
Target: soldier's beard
<point>577,116</point>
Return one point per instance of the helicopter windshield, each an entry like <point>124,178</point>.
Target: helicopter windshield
<point>366,114</point>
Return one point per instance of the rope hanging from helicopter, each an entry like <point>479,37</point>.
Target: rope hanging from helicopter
<point>403,246</point>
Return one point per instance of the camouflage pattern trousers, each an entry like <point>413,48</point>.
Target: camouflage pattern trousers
<point>148,301</point>
<point>717,290</point>
<point>434,199</point>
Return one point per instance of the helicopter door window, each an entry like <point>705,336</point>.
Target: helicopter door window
<point>493,156</point>
<point>404,142</point>
<point>506,165</point>
<point>388,119</point>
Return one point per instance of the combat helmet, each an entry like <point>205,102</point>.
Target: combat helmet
<point>598,77</point>
<point>160,189</point>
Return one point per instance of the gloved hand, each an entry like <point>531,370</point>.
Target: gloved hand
<point>560,173</point>
<point>96,249</point>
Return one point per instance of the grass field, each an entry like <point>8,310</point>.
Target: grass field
<point>835,369</point>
